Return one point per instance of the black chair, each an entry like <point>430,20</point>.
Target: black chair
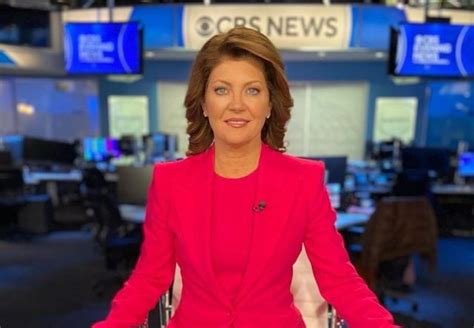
<point>160,315</point>
<point>93,189</point>
<point>11,197</point>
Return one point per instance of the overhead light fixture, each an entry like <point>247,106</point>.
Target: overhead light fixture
<point>24,108</point>
<point>379,54</point>
<point>60,2</point>
<point>124,78</point>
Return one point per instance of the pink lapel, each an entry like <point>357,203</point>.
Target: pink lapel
<point>202,190</point>
<point>277,190</point>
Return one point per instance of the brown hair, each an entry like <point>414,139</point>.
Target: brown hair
<point>238,43</point>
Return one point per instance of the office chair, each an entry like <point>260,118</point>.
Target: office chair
<point>93,188</point>
<point>11,198</point>
<point>119,241</point>
<point>399,228</point>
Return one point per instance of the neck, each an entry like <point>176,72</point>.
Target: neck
<point>236,162</point>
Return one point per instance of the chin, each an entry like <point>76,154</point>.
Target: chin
<point>237,142</point>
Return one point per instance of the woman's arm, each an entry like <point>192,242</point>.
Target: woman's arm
<point>155,268</point>
<point>337,279</point>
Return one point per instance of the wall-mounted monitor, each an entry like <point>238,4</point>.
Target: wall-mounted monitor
<point>432,50</point>
<point>103,48</point>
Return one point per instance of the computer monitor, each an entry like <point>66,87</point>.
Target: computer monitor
<point>47,152</point>
<point>128,145</point>
<point>5,158</point>
<point>132,185</point>
<point>171,143</point>
<point>437,160</point>
<point>14,144</point>
<point>335,176</point>
<point>155,145</point>
<point>171,146</point>
<point>336,168</point>
<point>466,165</point>
<point>412,182</point>
<point>64,153</point>
<point>100,149</point>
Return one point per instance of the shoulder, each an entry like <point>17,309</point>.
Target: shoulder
<point>295,164</point>
<point>174,169</point>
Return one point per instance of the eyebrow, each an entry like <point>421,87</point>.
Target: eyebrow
<point>228,83</point>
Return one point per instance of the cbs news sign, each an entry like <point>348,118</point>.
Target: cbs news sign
<point>289,27</point>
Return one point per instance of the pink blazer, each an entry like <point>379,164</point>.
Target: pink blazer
<point>177,229</point>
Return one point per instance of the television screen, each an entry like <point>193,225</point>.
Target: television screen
<point>435,50</point>
<point>466,165</point>
<point>102,48</point>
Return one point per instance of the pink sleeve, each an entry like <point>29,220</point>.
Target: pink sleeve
<point>155,268</point>
<point>337,279</point>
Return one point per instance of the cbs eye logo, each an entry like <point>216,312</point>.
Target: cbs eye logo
<point>205,26</point>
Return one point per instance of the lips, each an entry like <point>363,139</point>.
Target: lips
<point>236,122</point>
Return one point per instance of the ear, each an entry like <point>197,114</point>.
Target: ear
<point>269,111</point>
<point>204,110</point>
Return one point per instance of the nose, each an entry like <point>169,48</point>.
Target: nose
<point>237,103</point>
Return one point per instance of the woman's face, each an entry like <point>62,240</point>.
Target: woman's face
<point>237,102</point>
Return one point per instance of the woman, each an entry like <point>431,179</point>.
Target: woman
<point>235,214</point>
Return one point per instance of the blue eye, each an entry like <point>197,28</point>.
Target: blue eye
<point>220,90</point>
<point>253,91</point>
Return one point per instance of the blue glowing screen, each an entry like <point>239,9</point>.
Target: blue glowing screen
<point>435,50</point>
<point>102,48</point>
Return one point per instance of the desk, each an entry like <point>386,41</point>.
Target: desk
<point>71,176</point>
<point>52,179</point>
<point>132,213</point>
<point>37,177</point>
<point>345,220</point>
<point>136,214</point>
<point>451,189</point>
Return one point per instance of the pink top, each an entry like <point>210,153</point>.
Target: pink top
<point>231,229</point>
